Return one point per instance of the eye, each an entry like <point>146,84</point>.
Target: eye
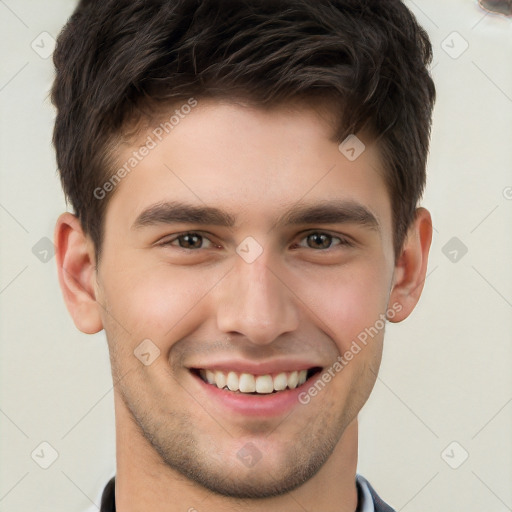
<point>323,241</point>
<point>190,240</point>
<point>193,240</point>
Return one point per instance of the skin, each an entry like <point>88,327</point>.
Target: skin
<point>175,449</point>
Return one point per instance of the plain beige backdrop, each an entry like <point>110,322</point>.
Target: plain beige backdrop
<point>436,432</point>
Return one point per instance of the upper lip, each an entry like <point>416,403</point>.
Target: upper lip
<point>257,367</point>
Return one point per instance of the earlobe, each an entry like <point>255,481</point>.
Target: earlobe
<point>411,266</point>
<point>76,270</point>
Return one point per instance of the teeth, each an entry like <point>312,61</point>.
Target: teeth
<point>293,380</point>
<point>210,377</point>
<point>264,384</point>
<point>232,381</point>
<point>280,381</point>
<point>220,379</point>
<point>248,383</point>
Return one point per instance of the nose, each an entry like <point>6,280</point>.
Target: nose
<point>255,302</point>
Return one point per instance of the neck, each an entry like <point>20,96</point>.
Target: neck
<point>144,482</point>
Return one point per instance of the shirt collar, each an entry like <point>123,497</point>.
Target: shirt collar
<point>365,503</point>
<point>365,498</point>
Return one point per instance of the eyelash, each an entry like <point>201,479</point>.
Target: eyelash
<point>343,242</point>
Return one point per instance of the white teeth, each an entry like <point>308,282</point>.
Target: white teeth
<point>264,384</point>
<point>210,377</point>
<point>220,379</point>
<point>280,381</point>
<point>248,383</point>
<point>232,381</point>
<point>293,380</point>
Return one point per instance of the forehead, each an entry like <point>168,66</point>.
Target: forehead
<point>249,162</point>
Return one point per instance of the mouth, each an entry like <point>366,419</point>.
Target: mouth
<point>250,384</point>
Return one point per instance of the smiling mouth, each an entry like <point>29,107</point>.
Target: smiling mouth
<point>247,383</point>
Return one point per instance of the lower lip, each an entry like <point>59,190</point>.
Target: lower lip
<point>272,404</point>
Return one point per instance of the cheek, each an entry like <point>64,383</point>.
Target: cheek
<point>349,301</point>
<point>157,303</point>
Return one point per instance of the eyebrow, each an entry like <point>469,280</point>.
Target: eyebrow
<point>326,212</point>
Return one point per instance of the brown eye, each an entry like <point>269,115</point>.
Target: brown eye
<point>188,241</point>
<point>319,240</point>
<point>323,241</point>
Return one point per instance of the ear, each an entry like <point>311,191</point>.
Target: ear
<point>411,266</point>
<point>77,273</point>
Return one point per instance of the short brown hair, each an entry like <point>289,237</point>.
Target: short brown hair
<point>117,61</point>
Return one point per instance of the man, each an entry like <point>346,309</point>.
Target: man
<point>245,179</point>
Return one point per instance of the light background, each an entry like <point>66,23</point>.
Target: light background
<point>446,373</point>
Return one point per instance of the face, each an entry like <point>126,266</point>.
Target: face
<point>243,248</point>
